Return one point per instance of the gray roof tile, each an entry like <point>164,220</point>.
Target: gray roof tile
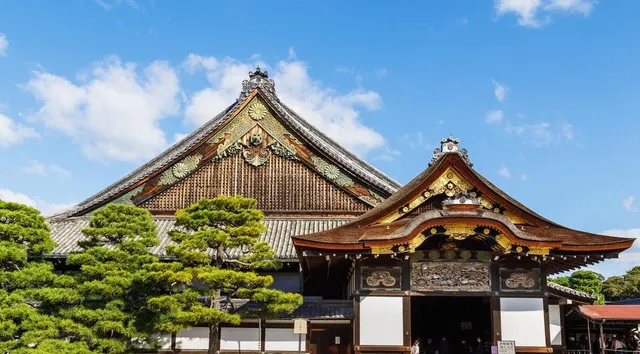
<point>67,233</point>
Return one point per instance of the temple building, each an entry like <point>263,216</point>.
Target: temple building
<point>379,264</point>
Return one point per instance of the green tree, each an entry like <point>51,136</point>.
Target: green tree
<point>564,281</point>
<point>210,229</point>
<point>111,277</point>
<point>31,294</point>
<point>623,287</point>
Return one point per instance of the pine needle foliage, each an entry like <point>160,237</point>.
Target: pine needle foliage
<point>31,293</point>
<point>111,277</point>
<point>204,235</point>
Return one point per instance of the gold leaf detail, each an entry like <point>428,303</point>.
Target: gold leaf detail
<point>257,111</point>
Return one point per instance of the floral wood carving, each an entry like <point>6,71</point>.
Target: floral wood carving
<point>450,276</point>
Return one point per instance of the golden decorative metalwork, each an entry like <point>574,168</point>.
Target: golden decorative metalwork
<point>459,231</point>
<point>257,110</point>
<point>503,241</point>
<point>538,251</point>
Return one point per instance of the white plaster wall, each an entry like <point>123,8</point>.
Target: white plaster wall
<point>192,338</point>
<point>239,338</point>
<point>522,320</point>
<point>381,321</point>
<point>283,339</point>
<point>555,325</point>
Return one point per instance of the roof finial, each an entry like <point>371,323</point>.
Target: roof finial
<point>447,146</point>
<point>257,79</point>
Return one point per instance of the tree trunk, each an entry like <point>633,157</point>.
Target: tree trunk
<point>213,338</point>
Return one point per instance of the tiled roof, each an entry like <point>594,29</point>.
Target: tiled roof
<point>564,291</point>
<point>67,233</point>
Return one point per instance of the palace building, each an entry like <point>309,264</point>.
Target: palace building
<point>379,264</point>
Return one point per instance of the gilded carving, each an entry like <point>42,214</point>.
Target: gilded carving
<point>378,278</point>
<point>450,276</point>
<point>180,170</point>
<point>449,183</point>
<point>459,231</point>
<point>331,172</point>
<point>126,198</point>
<point>503,241</point>
<point>520,280</point>
<point>539,251</point>
<point>257,110</point>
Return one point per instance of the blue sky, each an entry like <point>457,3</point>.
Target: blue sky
<point>543,93</point>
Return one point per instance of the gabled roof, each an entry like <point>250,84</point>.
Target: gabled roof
<point>417,210</point>
<point>259,84</point>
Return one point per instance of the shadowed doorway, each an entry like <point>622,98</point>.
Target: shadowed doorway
<point>455,317</point>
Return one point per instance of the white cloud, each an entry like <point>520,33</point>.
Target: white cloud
<point>627,259</point>
<point>35,167</point>
<point>388,155</point>
<point>44,207</point>
<point>494,116</point>
<point>543,133</point>
<point>500,91</point>
<point>112,112</point>
<point>524,177</point>
<point>530,11</point>
<point>334,113</point>
<point>629,204</point>
<point>179,136</point>
<point>504,172</point>
<point>4,45</point>
<point>13,133</point>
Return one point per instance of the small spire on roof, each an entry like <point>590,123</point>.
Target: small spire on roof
<point>258,79</point>
<point>447,146</point>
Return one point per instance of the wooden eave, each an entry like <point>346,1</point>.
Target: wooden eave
<point>535,232</point>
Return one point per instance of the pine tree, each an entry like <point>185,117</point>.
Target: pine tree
<point>111,277</point>
<point>205,233</point>
<point>31,294</point>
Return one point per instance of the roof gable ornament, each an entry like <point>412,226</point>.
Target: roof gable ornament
<point>450,145</point>
<point>258,78</point>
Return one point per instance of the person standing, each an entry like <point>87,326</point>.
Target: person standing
<point>445,348</point>
<point>415,349</point>
<point>429,347</point>
<point>479,346</point>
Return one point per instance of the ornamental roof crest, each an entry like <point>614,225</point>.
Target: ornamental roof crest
<point>450,145</point>
<point>258,78</point>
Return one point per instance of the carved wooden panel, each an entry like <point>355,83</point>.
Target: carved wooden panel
<point>450,276</point>
<point>280,185</point>
<point>381,278</point>
<point>520,280</point>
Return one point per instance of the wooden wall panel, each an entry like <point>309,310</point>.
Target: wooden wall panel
<point>279,185</point>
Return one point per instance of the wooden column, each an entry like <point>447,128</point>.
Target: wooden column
<point>496,328</point>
